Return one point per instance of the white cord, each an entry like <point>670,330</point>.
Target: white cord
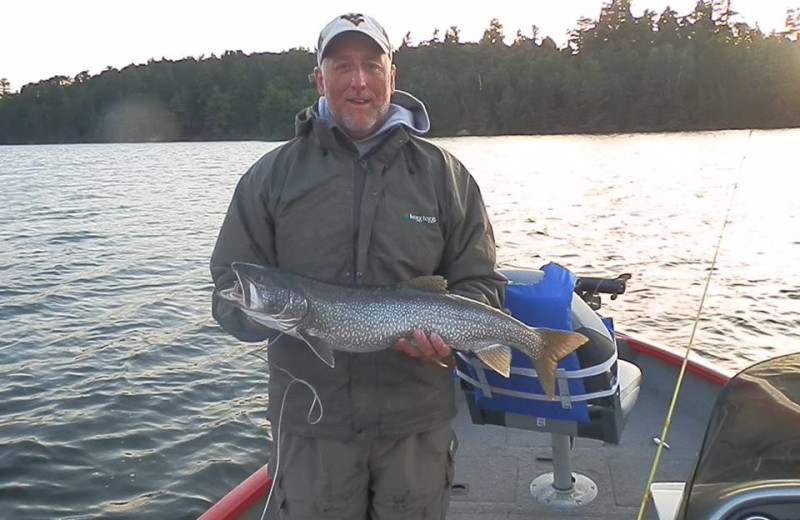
<point>315,401</point>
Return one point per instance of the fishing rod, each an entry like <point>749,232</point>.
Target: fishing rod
<point>662,440</point>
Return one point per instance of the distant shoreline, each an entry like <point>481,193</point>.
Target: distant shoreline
<point>618,74</point>
<point>564,134</point>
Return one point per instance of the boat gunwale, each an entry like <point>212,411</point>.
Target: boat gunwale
<point>696,365</point>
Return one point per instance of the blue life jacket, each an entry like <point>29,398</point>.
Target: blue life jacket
<point>543,304</point>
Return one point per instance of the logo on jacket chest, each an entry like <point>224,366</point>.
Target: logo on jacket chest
<point>422,219</point>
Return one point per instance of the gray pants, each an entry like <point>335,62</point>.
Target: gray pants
<point>401,479</point>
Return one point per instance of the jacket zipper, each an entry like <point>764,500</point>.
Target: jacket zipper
<point>359,183</point>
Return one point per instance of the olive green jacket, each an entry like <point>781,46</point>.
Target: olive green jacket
<point>313,207</point>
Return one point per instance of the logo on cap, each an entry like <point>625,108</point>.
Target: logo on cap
<point>353,18</point>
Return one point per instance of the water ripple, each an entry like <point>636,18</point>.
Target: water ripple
<point>122,399</point>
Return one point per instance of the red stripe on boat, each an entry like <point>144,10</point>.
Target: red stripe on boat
<point>706,371</point>
<point>241,497</point>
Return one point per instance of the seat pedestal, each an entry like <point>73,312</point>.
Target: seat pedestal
<point>561,487</point>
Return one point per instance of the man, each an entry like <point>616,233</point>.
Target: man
<point>357,198</point>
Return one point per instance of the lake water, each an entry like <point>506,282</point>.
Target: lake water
<point>121,398</point>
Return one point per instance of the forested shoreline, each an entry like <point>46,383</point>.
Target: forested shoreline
<point>618,73</point>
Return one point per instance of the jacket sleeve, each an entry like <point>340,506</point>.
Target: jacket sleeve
<point>469,259</point>
<point>246,235</point>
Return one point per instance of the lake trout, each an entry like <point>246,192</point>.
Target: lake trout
<point>355,319</point>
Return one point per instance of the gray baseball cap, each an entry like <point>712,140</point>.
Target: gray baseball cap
<point>353,22</point>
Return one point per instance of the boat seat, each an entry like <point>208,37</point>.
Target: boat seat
<point>601,389</point>
<point>630,381</point>
<point>595,391</point>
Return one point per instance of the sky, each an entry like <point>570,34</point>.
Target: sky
<point>44,38</point>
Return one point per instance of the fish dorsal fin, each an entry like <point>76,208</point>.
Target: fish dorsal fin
<point>433,283</point>
<point>319,346</point>
<point>496,356</point>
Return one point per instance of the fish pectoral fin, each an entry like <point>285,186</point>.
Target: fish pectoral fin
<point>263,319</point>
<point>319,346</point>
<point>496,356</point>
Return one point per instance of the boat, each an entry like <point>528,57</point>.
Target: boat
<point>516,464</point>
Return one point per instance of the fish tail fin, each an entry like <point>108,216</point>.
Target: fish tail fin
<point>558,343</point>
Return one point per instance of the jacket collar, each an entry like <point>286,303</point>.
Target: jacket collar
<point>332,139</point>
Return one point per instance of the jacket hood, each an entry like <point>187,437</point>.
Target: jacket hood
<point>404,110</point>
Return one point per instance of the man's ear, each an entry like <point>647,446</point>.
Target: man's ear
<point>318,81</point>
<point>394,76</point>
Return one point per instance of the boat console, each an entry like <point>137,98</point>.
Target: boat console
<point>749,465</point>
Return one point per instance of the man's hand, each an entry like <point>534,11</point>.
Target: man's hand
<point>427,348</point>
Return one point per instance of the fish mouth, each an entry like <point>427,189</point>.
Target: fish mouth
<point>243,293</point>
<point>235,295</point>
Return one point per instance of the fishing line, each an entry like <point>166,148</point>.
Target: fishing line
<point>314,402</point>
<point>668,420</point>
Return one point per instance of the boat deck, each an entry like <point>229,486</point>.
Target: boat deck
<point>495,465</point>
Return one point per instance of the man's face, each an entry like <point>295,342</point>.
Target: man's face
<point>357,80</point>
